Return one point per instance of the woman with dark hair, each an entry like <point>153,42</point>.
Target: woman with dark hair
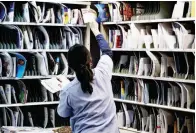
<point>88,99</point>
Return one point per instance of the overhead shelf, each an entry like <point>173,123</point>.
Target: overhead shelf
<point>40,24</point>
<point>155,50</point>
<point>59,1</point>
<point>65,2</point>
<point>154,78</point>
<point>155,105</point>
<point>150,21</point>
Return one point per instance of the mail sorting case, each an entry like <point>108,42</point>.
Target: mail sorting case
<point>34,39</point>
<point>153,44</point>
<point>145,81</point>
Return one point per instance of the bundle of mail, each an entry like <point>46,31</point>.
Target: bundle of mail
<point>156,64</point>
<point>144,10</point>
<point>39,37</point>
<point>31,116</point>
<point>18,65</point>
<point>151,120</point>
<point>13,129</point>
<point>39,12</point>
<point>159,36</point>
<point>170,94</point>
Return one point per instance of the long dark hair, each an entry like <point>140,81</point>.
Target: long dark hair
<point>79,59</point>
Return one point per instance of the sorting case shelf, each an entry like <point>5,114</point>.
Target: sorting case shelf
<point>86,38</point>
<point>118,34</point>
<point>31,99</point>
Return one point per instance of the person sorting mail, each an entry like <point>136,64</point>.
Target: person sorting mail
<point>88,99</point>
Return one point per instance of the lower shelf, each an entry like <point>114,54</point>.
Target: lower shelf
<point>155,105</point>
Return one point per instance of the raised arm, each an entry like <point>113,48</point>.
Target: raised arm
<point>105,64</point>
<point>105,49</point>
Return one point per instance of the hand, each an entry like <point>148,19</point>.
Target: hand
<point>94,25</point>
<point>95,28</point>
<point>59,81</point>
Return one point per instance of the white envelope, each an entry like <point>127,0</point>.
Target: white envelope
<point>52,117</point>
<point>12,121</point>
<point>136,34</point>
<point>158,130</point>
<point>89,15</point>
<point>185,39</point>
<point>178,9</point>
<point>129,114</point>
<point>45,117</point>
<point>44,94</point>
<point>156,65</point>
<point>143,61</point>
<point>170,40</point>
<point>42,66</point>
<point>54,85</point>
<point>75,16</point>
<point>8,60</point>
<point>183,95</point>
<point>14,94</point>
<point>190,94</point>
<point>155,38</point>
<point>25,8</point>
<point>121,119</point>
<point>47,17</point>
<point>46,37</point>
<point>30,119</point>
<point>36,11</point>
<point>168,119</point>
<point>124,37</point>
<point>3,95</point>
<point>65,64</point>
<point>52,15</point>
<point>16,115</point>
<point>8,93</point>
<point>28,37</point>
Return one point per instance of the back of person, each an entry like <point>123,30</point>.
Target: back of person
<point>93,113</point>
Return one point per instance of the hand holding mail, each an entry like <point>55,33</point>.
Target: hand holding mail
<point>95,28</point>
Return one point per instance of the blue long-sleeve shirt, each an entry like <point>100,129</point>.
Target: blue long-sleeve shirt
<point>105,49</point>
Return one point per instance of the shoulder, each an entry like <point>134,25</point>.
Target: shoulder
<point>68,87</point>
<point>105,58</point>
